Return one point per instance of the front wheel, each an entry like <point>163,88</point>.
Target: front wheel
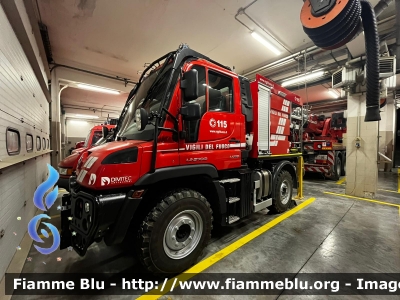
<point>282,193</point>
<point>175,232</point>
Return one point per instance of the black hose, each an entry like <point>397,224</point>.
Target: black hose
<point>341,30</point>
<point>372,54</point>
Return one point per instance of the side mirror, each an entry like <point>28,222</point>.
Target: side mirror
<point>142,119</point>
<point>189,85</point>
<point>191,112</point>
<point>105,131</point>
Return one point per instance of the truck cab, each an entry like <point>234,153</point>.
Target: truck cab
<point>68,165</point>
<point>184,160</point>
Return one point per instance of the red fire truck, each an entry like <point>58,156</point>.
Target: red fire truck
<point>67,166</point>
<point>196,146</point>
<point>324,150</point>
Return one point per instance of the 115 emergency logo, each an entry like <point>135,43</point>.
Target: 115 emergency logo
<point>51,197</point>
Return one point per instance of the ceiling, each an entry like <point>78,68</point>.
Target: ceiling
<point>77,102</point>
<point>118,39</point>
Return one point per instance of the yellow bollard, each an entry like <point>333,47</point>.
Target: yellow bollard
<point>300,173</point>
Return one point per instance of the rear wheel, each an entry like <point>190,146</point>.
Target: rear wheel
<point>343,173</point>
<point>282,193</point>
<point>173,235</point>
<point>337,168</point>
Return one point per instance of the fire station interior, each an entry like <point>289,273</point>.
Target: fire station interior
<point>68,70</point>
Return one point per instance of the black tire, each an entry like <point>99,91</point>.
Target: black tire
<point>282,193</point>
<point>154,245</point>
<point>343,173</point>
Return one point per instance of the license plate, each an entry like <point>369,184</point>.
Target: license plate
<point>310,152</point>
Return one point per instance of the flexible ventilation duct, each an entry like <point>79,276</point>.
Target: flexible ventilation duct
<point>331,24</point>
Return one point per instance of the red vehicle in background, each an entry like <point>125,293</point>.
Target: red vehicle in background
<point>324,150</point>
<point>68,165</point>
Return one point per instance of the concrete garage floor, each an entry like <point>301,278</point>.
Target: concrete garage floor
<point>331,235</point>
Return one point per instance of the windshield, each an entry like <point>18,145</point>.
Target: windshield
<point>153,98</point>
<point>96,136</point>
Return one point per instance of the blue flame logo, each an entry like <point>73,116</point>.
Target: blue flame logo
<point>48,202</point>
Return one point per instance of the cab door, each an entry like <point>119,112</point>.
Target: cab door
<point>216,138</point>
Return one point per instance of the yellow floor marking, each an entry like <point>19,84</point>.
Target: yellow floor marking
<point>208,262</point>
<point>55,216</point>
<point>42,236</point>
<point>364,199</point>
<point>388,191</point>
<point>341,181</point>
<point>398,181</point>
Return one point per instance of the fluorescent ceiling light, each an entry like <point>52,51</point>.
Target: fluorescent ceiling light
<point>78,122</point>
<point>79,116</point>
<point>267,44</point>
<point>303,78</point>
<point>97,89</point>
<point>87,116</point>
<point>333,93</point>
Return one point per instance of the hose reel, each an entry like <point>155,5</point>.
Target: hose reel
<point>331,24</point>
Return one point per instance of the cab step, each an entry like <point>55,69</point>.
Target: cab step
<point>233,219</point>
<point>233,200</point>
<point>230,180</point>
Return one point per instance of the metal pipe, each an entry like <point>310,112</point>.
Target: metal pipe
<point>385,157</point>
<point>397,36</point>
<point>263,29</point>
<point>282,60</point>
<point>124,80</point>
<point>78,107</point>
<point>378,9</point>
<point>381,6</point>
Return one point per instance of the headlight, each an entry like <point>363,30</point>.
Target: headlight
<point>65,171</point>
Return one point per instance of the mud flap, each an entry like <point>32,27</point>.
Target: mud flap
<point>66,237</point>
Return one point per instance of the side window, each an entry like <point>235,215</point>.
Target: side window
<point>38,144</point>
<point>48,144</point>
<point>44,143</point>
<point>220,92</point>
<point>13,141</point>
<point>192,127</point>
<point>29,142</point>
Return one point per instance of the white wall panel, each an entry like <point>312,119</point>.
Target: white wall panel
<point>23,106</point>
<point>79,128</point>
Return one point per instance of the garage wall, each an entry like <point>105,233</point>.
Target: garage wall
<point>23,107</point>
<point>77,130</point>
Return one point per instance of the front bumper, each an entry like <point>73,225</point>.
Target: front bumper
<point>86,218</point>
<point>63,182</point>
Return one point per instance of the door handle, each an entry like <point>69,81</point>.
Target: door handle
<point>233,140</point>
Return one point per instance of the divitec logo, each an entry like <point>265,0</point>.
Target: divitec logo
<point>48,202</point>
